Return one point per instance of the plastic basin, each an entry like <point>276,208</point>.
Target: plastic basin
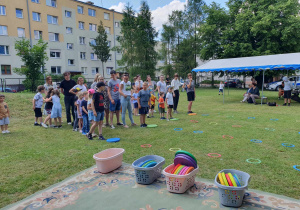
<point>109,159</point>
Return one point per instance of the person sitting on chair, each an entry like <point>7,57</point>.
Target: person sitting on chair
<point>254,93</point>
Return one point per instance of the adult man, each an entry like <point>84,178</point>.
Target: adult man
<point>65,87</point>
<point>175,84</point>
<point>190,91</point>
<point>114,97</point>
<point>125,92</point>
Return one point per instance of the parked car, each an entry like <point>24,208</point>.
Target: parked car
<point>7,90</point>
<point>236,83</point>
<point>275,85</point>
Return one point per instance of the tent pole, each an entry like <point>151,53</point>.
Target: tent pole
<point>262,92</point>
<point>224,90</point>
<point>228,83</point>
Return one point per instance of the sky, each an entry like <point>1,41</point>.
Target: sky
<point>160,8</point>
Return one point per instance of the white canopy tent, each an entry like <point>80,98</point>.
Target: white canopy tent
<point>290,61</point>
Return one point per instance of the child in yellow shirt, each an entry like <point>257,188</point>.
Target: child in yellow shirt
<point>152,105</point>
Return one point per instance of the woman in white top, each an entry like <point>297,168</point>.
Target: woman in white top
<point>175,84</point>
<point>79,87</point>
<point>138,82</point>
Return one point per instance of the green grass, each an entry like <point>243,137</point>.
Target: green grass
<point>33,158</point>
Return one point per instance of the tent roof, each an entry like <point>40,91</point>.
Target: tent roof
<point>289,61</point>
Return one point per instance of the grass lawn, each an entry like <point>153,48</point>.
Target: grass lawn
<point>33,158</point>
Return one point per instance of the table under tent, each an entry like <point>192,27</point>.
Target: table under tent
<point>290,61</point>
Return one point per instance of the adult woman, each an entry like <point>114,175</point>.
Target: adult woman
<point>254,92</point>
<point>94,85</point>
<point>138,82</point>
<point>161,87</point>
<point>176,84</point>
<point>151,84</point>
<point>49,84</point>
<point>190,91</point>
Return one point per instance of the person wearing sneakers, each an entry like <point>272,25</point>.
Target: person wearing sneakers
<point>4,115</point>
<point>176,84</point>
<point>190,91</point>
<point>143,103</point>
<point>37,104</point>
<point>125,92</point>
<point>98,111</point>
<point>114,97</point>
<point>288,86</point>
<point>169,101</point>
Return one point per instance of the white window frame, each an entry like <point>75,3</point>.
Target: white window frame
<point>84,70</point>
<point>83,55</point>
<point>81,25</point>
<point>54,36</point>
<point>2,10</point>
<point>93,42</point>
<point>70,30</point>
<point>94,70</point>
<point>70,46</point>
<point>108,70</point>
<point>68,12</point>
<point>21,32</point>
<point>117,24</point>
<point>71,62</point>
<point>52,19</point>
<point>94,57</point>
<point>51,3</point>
<point>81,9</point>
<point>92,12</point>
<point>21,13</point>
<point>6,49</point>
<point>35,1</point>
<point>82,40</point>
<point>92,27</point>
<point>107,29</point>
<point>3,29</point>
<point>38,34</point>
<point>106,16</point>
<point>56,69</point>
<point>57,54</point>
<point>38,15</point>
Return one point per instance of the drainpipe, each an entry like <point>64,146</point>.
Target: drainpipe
<point>114,37</point>
<point>29,23</point>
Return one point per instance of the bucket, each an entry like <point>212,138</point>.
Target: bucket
<point>109,159</point>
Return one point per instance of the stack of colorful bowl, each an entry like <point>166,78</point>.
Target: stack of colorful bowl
<point>184,163</point>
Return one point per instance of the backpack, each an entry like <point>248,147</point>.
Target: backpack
<point>272,103</point>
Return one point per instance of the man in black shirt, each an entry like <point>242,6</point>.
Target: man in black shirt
<point>65,87</point>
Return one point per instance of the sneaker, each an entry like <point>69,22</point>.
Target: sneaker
<point>148,116</point>
<point>101,137</point>
<point>80,131</point>
<point>55,126</point>
<point>44,125</point>
<point>168,120</point>
<point>289,104</point>
<point>3,131</point>
<point>164,118</point>
<point>133,124</point>
<point>142,126</point>
<point>112,127</point>
<point>94,135</point>
<point>59,126</point>
<point>7,131</point>
<point>145,125</point>
<point>284,104</point>
<point>89,136</point>
<point>154,110</point>
<point>51,126</point>
<point>126,126</point>
<point>73,129</point>
<point>84,133</point>
<point>69,123</point>
<point>119,123</point>
<point>36,124</point>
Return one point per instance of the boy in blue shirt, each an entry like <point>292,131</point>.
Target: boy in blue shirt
<point>37,104</point>
<point>143,103</point>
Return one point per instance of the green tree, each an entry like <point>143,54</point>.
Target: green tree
<point>100,47</point>
<point>34,59</point>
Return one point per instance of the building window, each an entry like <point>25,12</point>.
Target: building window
<point>94,56</point>
<point>51,19</point>
<point>53,37</point>
<point>117,24</point>
<point>109,43</point>
<point>80,9</point>
<point>95,70</point>
<point>81,40</point>
<point>93,27</point>
<point>51,3</point>
<point>21,32</point>
<point>107,30</point>
<point>69,30</point>
<point>19,13</point>
<point>108,70</point>
<point>93,42</point>
<point>3,30</point>
<point>38,34</point>
<point>106,16</point>
<point>36,16</point>
<point>70,46</point>
<point>109,58</point>
<point>92,12</point>
<point>55,70</point>
<point>35,1</point>
<point>81,25</point>
<point>84,70</point>
<point>54,54</point>
<point>2,10</point>
<point>71,62</point>
<point>5,69</point>
<point>4,50</point>
<point>68,13</point>
<point>82,55</point>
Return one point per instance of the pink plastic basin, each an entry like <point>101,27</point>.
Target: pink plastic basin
<point>109,159</point>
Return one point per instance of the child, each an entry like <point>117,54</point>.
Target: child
<point>98,111</point>
<point>89,107</point>
<point>221,88</point>
<point>4,115</point>
<point>79,110</point>
<point>169,101</point>
<point>75,125</point>
<point>37,104</point>
<point>143,102</point>
<point>48,108</point>
<point>134,101</point>
<point>106,101</point>
<point>153,98</point>
<point>161,103</point>
<point>56,109</point>
<point>86,124</point>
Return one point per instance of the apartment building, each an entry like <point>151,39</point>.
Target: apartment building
<point>67,25</point>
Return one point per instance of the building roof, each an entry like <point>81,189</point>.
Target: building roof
<point>93,5</point>
<point>290,61</point>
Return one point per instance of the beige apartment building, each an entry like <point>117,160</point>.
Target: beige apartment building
<point>67,25</point>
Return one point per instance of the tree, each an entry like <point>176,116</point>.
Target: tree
<point>34,59</point>
<point>100,47</point>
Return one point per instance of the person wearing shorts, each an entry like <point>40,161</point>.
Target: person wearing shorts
<point>190,85</point>
<point>4,115</point>
<point>161,104</point>
<point>287,95</point>
<point>37,104</point>
<point>144,101</point>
